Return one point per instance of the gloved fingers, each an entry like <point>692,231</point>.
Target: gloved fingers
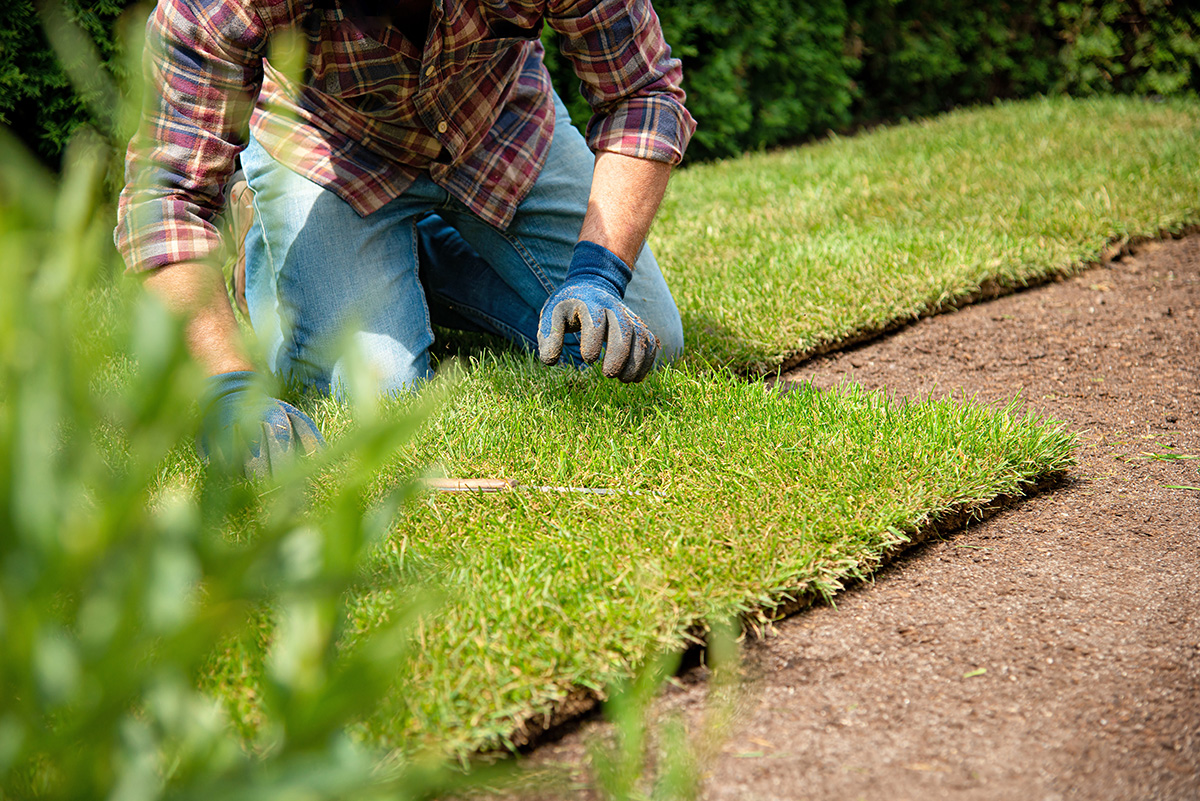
<point>619,342</point>
<point>305,433</point>
<point>550,347</point>
<point>637,356</point>
<point>242,450</point>
<point>610,329</point>
<point>593,332</point>
<point>287,433</point>
<point>269,446</point>
<point>277,427</point>
<point>642,355</point>
<point>549,334</point>
<point>558,318</point>
<point>650,356</point>
<point>231,437</point>
<point>257,441</point>
<point>261,453</point>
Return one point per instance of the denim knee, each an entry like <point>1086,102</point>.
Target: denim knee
<point>649,297</point>
<point>670,339</point>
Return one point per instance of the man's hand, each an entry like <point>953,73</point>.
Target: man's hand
<point>244,431</point>
<point>624,196</point>
<point>590,302</point>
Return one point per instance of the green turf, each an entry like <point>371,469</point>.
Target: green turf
<point>731,498</point>
<point>773,255</point>
<point>728,497</point>
<point>734,497</point>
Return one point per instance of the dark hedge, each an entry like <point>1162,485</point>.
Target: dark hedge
<point>923,56</point>
<point>768,72</point>
<point>36,99</point>
<point>757,72</point>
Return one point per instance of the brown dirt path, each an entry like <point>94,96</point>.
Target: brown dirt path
<point>1080,604</point>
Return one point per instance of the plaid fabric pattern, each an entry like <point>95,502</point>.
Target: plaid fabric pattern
<point>372,111</point>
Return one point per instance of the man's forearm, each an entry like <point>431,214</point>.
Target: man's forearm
<point>625,195</point>
<point>196,291</point>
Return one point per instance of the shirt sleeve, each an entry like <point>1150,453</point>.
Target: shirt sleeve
<point>202,70</point>
<point>628,75</point>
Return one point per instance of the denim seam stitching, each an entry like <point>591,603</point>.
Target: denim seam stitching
<point>287,344</point>
<point>530,261</point>
<point>416,273</point>
<point>517,245</point>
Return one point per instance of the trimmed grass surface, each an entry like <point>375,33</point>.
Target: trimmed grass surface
<point>732,497</point>
<point>773,255</point>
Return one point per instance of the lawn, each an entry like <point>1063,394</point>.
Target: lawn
<point>727,497</point>
<point>731,498</point>
<point>773,255</point>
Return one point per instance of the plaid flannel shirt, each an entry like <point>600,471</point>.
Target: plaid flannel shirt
<point>473,107</point>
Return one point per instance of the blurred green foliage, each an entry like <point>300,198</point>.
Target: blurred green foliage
<point>643,759</point>
<point>767,72</point>
<point>119,577</point>
<point>923,57</point>
<point>1151,47</point>
<point>761,73</point>
<point>116,586</point>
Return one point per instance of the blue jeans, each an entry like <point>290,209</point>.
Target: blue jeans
<point>320,279</point>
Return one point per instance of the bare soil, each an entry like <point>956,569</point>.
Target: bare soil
<point>1049,652</point>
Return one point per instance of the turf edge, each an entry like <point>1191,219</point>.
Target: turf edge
<point>991,289</point>
<point>582,703</point>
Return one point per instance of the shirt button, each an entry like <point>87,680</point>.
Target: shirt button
<point>442,126</point>
<point>429,71</point>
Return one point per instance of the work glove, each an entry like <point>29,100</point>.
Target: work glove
<point>590,302</point>
<point>246,432</point>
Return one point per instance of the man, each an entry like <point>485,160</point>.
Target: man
<point>420,171</point>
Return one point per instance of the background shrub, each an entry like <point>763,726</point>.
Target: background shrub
<point>757,72</point>
<point>1151,47</point>
<point>36,99</point>
<point>926,56</point>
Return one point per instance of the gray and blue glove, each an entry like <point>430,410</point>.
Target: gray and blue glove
<point>590,302</point>
<point>244,431</point>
